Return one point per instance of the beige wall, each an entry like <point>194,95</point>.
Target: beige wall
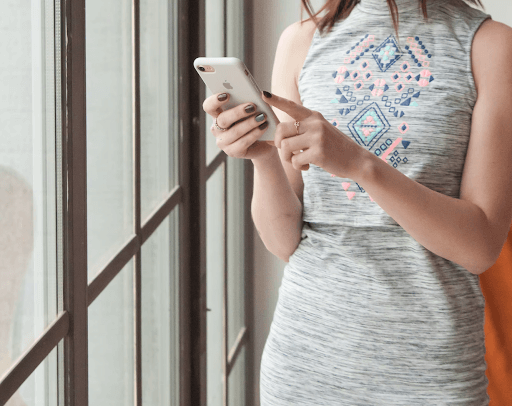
<point>270,18</point>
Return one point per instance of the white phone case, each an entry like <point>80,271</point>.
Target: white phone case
<point>232,76</point>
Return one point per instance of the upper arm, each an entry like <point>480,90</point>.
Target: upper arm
<point>290,54</point>
<point>487,175</point>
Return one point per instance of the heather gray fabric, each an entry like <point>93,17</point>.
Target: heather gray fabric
<point>366,315</point>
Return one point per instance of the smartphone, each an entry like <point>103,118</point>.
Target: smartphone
<point>230,75</point>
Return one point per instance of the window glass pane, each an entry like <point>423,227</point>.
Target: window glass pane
<point>235,239</point>
<point>160,315</point>
<point>236,386</point>
<point>40,388</point>
<point>159,115</point>
<point>27,176</point>
<point>109,129</point>
<point>215,285</point>
<point>235,28</point>
<point>111,331</point>
<point>214,48</point>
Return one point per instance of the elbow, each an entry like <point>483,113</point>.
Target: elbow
<point>493,257</point>
<point>477,271</point>
<point>493,253</point>
<point>486,262</point>
<point>488,250</point>
<point>286,257</point>
<point>282,257</point>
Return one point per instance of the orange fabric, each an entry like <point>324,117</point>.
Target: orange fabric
<point>496,284</point>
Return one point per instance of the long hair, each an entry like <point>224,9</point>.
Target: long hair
<point>340,9</point>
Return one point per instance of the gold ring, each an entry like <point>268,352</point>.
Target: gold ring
<point>217,126</point>
<point>297,126</point>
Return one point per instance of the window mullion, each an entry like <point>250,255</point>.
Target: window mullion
<point>75,213</point>
<point>137,200</point>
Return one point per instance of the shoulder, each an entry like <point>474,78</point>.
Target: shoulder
<point>299,31</point>
<point>297,37</point>
<point>491,51</point>
<point>491,38</point>
<point>491,30</point>
<point>294,44</point>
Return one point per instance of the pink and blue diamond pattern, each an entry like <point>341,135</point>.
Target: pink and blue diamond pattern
<point>368,95</point>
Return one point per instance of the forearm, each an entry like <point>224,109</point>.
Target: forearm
<point>276,209</point>
<point>452,228</point>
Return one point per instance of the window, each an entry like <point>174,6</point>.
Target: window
<point>123,228</point>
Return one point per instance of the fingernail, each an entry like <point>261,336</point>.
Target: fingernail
<point>222,97</point>
<point>267,94</point>
<point>249,109</point>
<point>260,117</point>
<point>263,126</point>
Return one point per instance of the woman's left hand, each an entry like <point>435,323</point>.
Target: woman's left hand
<point>323,144</point>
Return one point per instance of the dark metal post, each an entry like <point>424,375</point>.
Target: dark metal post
<point>75,214</point>
<point>193,212</point>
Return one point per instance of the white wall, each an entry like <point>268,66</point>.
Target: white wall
<point>270,18</point>
<point>499,10</point>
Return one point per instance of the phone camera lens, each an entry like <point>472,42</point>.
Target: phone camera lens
<point>202,69</point>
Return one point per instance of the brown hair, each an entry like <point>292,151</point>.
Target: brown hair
<point>340,9</point>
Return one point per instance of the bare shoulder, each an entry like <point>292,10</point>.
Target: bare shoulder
<point>299,31</point>
<point>491,51</point>
<point>298,37</point>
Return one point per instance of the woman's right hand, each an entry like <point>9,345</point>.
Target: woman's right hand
<point>240,140</point>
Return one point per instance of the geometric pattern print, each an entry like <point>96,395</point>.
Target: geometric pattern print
<point>392,86</point>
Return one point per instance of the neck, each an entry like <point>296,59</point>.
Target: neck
<point>382,7</point>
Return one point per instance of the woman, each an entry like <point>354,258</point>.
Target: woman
<point>389,193</point>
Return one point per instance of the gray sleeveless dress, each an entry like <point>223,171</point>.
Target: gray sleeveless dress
<point>365,314</point>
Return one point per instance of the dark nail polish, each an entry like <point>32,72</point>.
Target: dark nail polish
<point>263,126</point>
<point>260,117</point>
<point>249,109</point>
<point>222,97</point>
<point>267,94</point>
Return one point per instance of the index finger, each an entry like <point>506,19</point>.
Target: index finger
<point>212,105</point>
<point>294,110</point>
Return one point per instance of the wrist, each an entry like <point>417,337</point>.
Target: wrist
<point>265,157</point>
<point>366,165</point>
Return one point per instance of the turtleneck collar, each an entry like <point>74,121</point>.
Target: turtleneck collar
<point>382,7</point>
